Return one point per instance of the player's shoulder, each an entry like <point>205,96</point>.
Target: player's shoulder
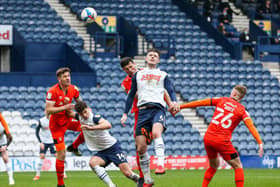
<point>162,72</point>
<point>97,115</point>
<point>54,88</point>
<point>126,79</point>
<point>73,88</point>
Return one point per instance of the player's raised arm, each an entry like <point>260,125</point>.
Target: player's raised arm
<point>129,99</point>
<point>250,125</point>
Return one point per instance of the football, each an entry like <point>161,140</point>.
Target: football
<point>88,15</point>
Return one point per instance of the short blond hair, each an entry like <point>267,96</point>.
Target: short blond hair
<point>242,90</point>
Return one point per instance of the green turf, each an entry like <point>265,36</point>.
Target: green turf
<point>179,178</point>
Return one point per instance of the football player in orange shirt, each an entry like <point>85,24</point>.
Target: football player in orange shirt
<point>59,105</point>
<point>228,114</point>
<point>4,143</point>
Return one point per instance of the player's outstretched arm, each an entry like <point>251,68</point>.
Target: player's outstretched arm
<point>197,103</point>
<point>193,104</point>
<point>250,125</point>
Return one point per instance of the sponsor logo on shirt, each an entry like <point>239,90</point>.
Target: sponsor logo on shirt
<point>150,77</point>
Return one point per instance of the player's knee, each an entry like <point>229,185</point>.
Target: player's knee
<point>156,134</point>
<point>61,155</point>
<point>5,159</point>
<point>42,156</point>
<point>126,173</point>
<point>93,163</point>
<point>141,149</point>
<point>236,165</point>
<point>215,164</point>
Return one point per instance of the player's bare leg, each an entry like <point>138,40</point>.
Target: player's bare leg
<point>159,147</point>
<point>96,164</point>
<point>210,172</point>
<point>238,169</point>
<point>128,172</point>
<point>144,157</point>
<point>7,162</point>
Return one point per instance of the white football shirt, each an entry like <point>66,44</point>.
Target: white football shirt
<point>150,86</point>
<point>96,140</point>
<point>45,133</point>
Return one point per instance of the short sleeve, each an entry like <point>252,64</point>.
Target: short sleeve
<point>51,96</point>
<point>96,118</point>
<point>245,115</point>
<point>76,92</point>
<point>126,84</point>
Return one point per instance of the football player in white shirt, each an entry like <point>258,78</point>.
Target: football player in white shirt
<point>44,136</point>
<point>150,85</point>
<point>5,140</point>
<point>98,138</point>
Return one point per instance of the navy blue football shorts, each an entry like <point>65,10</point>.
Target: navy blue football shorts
<point>113,154</point>
<point>46,147</point>
<point>148,117</point>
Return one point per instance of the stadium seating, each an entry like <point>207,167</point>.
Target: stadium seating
<point>201,69</point>
<point>36,21</point>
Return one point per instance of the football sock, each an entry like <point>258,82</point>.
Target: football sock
<point>209,173</point>
<point>145,166</point>
<point>65,163</point>
<point>159,149</point>
<point>9,169</point>
<point>134,177</point>
<point>39,167</point>
<point>59,165</point>
<point>239,177</point>
<point>138,164</point>
<point>79,140</point>
<point>102,174</point>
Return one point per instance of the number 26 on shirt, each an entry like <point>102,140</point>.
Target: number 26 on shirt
<point>222,118</point>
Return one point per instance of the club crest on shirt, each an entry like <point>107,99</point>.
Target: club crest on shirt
<point>49,96</point>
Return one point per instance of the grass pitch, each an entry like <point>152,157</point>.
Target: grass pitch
<point>172,178</point>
